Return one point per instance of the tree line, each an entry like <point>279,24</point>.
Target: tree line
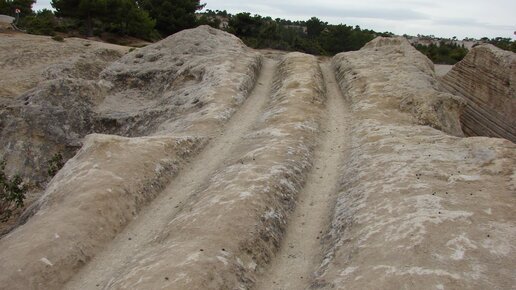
<point>444,52</point>
<point>154,19</point>
<point>313,36</point>
<point>7,7</point>
<point>146,19</point>
<point>501,42</point>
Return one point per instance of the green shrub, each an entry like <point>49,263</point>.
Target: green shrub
<point>55,164</point>
<point>68,25</point>
<point>444,53</point>
<point>502,42</point>
<point>58,38</point>
<point>12,193</point>
<point>42,23</point>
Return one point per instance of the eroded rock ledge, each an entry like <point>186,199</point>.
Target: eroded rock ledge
<point>176,86</point>
<point>486,78</point>
<point>87,204</point>
<point>417,208</point>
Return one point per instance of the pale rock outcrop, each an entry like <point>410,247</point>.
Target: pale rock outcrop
<point>420,97</point>
<point>25,59</point>
<point>417,207</point>
<point>235,224</point>
<point>6,19</point>
<point>87,203</point>
<point>248,200</point>
<point>486,78</point>
<point>181,102</point>
<point>188,84</point>
<point>49,119</point>
<point>57,112</point>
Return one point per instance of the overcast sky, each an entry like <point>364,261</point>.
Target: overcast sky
<point>461,18</point>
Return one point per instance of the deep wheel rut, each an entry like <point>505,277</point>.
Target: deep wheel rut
<point>300,251</point>
<point>103,267</point>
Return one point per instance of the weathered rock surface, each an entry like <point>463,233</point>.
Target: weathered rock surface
<point>417,208</point>
<point>189,83</point>
<point>486,78</point>
<point>5,21</point>
<point>87,203</point>
<point>25,59</point>
<point>175,86</point>
<point>248,200</point>
<point>55,112</point>
<point>255,190</point>
<point>420,96</point>
<point>200,188</point>
<point>49,119</point>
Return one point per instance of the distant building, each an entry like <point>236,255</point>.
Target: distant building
<point>224,21</point>
<point>301,28</point>
<point>429,40</point>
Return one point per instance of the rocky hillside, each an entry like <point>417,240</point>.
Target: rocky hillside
<point>486,79</point>
<point>175,87</point>
<point>28,60</point>
<point>416,207</point>
<point>203,164</point>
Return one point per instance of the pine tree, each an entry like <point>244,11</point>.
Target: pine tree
<point>172,15</point>
<point>7,7</point>
<point>128,18</point>
<point>87,10</point>
<point>120,16</point>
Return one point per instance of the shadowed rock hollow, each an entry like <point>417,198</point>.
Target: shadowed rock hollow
<point>206,153</point>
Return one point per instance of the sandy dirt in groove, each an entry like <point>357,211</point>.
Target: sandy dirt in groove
<point>300,250</point>
<point>179,191</point>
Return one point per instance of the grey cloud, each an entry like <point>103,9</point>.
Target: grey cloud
<point>419,3</point>
<point>342,12</point>
<point>469,22</point>
<point>307,10</point>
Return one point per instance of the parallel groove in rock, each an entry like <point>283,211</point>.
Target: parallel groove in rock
<point>260,173</point>
<point>179,193</point>
<point>294,264</point>
<point>248,199</point>
<point>76,184</point>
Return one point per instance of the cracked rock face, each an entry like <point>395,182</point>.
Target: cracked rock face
<point>486,78</point>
